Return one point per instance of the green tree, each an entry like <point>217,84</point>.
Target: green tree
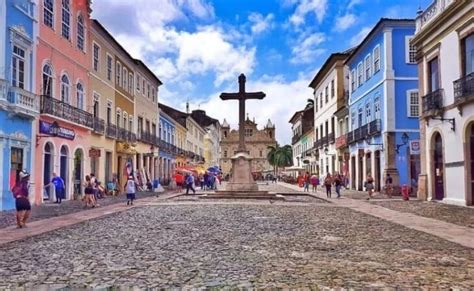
<point>280,157</point>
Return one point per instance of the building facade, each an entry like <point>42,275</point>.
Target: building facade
<point>167,157</point>
<point>330,85</point>
<point>19,106</point>
<point>383,106</point>
<point>303,140</point>
<point>257,143</point>
<point>62,70</point>
<point>212,136</point>
<point>445,55</point>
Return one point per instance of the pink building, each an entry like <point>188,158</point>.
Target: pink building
<point>63,62</point>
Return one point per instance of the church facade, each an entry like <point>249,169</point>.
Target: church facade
<point>256,141</point>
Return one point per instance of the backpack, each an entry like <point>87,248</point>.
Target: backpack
<point>16,191</point>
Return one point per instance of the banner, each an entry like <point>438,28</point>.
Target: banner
<point>415,147</point>
<point>46,128</point>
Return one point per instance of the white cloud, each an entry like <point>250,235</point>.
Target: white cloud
<point>357,39</point>
<point>282,99</point>
<point>304,7</point>
<point>344,22</point>
<point>261,23</point>
<point>308,48</point>
<point>353,3</point>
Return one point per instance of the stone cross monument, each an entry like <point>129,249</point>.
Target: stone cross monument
<point>241,175</point>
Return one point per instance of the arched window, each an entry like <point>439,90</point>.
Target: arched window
<point>48,13</point>
<point>80,96</point>
<point>80,32</point>
<point>66,19</point>
<point>47,80</point>
<point>65,89</point>
<point>125,120</point>
<point>118,117</point>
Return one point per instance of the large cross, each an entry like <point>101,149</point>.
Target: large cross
<point>242,96</point>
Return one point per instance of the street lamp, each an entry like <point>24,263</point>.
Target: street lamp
<point>326,152</point>
<point>405,139</point>
<point>367,140</point>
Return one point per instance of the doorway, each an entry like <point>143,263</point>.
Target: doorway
<point>361,173</point>
<point>78,171</point>
<point>378,172</point>
<point>47,168</point>
<point>470,161</point>
<point>108,167</point>
<point>353,172</point>
<point>63,168</point>
<point>16,165</point>
<point>438,167</point>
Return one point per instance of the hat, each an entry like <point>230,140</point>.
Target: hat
<point>23,174</point>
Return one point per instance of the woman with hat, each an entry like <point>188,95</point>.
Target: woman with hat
<point>20,193</point>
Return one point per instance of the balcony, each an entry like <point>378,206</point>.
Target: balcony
<point>126,136</point>
<point>430,13</point>
<point>23,102</point>
<point>341,141</point>
<point>432,104</point>
<point>324,141</point>
<point>295,138</point>
<point>147,137</point>
<point>98,126</point>
<point>331,138</point>
<point>54,107</point>
<point>464,90</point>
<point>111,131</point>
<point>375,127</point>
<point>372,128</point>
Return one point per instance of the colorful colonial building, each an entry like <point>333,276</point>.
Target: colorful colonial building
<point>383,106</point>
<point>19,106</point>
<point>445,55</point>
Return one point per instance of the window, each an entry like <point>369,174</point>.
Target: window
<point>48,13</point>
<point>80,96</point>
<point>433,75</point>
<point>130,83</point>
<point>410,51</point>
<point>353,80</point>
<point>353,118</point>
<point>467,46</point>
<point>47,80</point>
<point>143,87</point>
<point>359,75</point>
<point>321,100</point>
<point>376,59</point>
<point>95,108</point>
<point>248,132</point>
<point>125,74</point>
<point>96,57</point>
<point>332,89</point>
<point>138,83</point>
<point>109,112</point>
<point>80,32</point>
<point>18,67</point>
<point>368,67</point>
<point>118,117</point>
<point>148,90</point>
<point>377,107</point>
<point>119,73</point>
<point>109,68</point>
<point>368,113</point>
<point>66,19</point>
<point>125,120</point>
<point>130,123</point>
<point>153,94</point>
<point>65,89</point>
<point>326,94</point>
<point>413,103</point>
<point>316,103</point>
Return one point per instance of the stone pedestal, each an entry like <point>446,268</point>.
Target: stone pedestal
<point>241,176</point>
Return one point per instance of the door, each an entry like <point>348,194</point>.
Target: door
<point>353,172</point>
<point>108,166</point>
<point>63,168</point>
<point>378,172</point>
<point>438,167</point>
<point>361,173</point>
<point>47,168</point>
<point>16,165</point>
<point>78,171</point>
<point>471,151</point>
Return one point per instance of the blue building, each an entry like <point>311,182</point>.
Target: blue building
<point>167,134</point>
<point>18,105</point>
<point>383,106</point>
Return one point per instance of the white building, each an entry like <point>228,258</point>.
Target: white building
<point>302,142</point>
<point>445,42</point>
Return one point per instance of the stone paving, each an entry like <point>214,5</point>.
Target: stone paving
<point>459,215</point>
<point>48,210</point>
<point>261,246</point>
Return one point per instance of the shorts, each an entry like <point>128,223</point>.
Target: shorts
<point>131,196</point>
<point>22,204</point>
<point>369,186</point>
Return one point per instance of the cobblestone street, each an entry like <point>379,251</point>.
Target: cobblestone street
<point>257,244</point>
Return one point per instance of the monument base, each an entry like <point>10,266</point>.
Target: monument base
<point>259,195</point>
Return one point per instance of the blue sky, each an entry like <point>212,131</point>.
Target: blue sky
<point>199,47</point>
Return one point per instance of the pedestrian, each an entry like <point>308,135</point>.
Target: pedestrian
<point>328,183</point>
<point>20,193</point>
<point>130,189</point>
<point>306,181</point>
<point>190,184</point>
<point>338,184</point>
<point>59,188</point>
<point>89,199</point>
<point>94,186</point>
<point>369,186</point>
<point>315,182</point>
<point>388,186</point>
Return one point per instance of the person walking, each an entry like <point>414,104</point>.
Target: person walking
<point>306,182</point>
<point>89,199</point>
<point>130,189</point>
<point>338,184</point>
<point>369,186</point>
<point>314,182</point>
<point>388,186</point>
<point>328,183</point>
<point>22,204</point>
<point>59,188</point>
<point>190,184</point>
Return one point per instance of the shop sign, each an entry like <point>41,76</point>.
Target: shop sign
<point>49,129</point>
<point>94,153</point>
<point>415,147</point>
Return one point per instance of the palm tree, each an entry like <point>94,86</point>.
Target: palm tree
<point>280,156</point>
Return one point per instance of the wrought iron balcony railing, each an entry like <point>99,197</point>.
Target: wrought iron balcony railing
<point>464,89</point>
<point>372,128</point>
<point>111,130</point>
<point>57,108</point>
<point>331,137</point>
<point>126,136</point>
<point>432,103</point>
<point>98,125</point>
